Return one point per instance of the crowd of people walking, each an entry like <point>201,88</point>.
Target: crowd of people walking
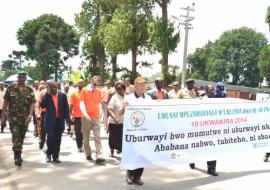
<point>53,107</point>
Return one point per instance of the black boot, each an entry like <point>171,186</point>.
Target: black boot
<point>212,171</point>
<point>2,129</point>
<point>211,165</point>
<point>266,156</point>
<point>41,145</point>
<point>192,166</point>
<point>18,158</point>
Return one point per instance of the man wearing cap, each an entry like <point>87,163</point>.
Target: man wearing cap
<point>19,99</point>
<point>134,176</point>
<point>190,91</point>
<point>175,92</point>
<point>220,90</point>
<point>158,93</point>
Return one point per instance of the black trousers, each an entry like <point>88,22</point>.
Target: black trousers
<point>78,131</point>
<point>137,173</point>
<point>54,137</point>
<point>211,164</point>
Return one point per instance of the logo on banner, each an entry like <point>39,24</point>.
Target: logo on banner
<point>137,119</point>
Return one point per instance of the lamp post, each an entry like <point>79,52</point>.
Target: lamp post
<point>187,25</point>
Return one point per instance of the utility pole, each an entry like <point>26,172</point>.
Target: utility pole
<point>188,26</point>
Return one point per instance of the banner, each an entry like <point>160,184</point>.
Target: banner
<point>182,131</point>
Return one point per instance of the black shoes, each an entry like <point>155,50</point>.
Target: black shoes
<point>48,159</point>
<point>212,171</point>
<point>17,158</point>
<point>192,166</point>
<point>56,160</point>
<point>89,158</point>
<point>100,161</point>
<point>266,156</point>
<point>2,129</point>
<point>18,162</point>
<point>129,179</point>
<point>138,181</point>
<point>41,145</point>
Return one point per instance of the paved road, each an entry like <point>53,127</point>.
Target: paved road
<point>243,171</point>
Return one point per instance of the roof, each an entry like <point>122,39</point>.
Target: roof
<point>251,90</point>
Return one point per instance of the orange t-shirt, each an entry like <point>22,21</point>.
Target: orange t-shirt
<point>75,102</point>
<point>55,102</point>
<point>91,100</point>
<point>160,95</point>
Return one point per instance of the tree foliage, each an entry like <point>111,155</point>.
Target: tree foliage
<point>49,41</point>
<point>128,28</point>
<point>198,61</point>
<point>232,58</point>
<point>264,63</point>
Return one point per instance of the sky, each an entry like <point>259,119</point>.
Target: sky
<point>211,19</point>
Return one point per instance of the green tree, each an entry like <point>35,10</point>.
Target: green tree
<point>239,48</point>
<point>49,41</point>
<point>198,61</point>
<point>9,64</point>
<point>34,72</point>
<point>128,29</point>
<point>264,63</point>
<point>19,57</point>
<point>236,53</point>
<point>89,23</point>
<point>162,38</point>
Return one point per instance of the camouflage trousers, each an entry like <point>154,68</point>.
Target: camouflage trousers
<point>40,128</point>
<point>18,132</point>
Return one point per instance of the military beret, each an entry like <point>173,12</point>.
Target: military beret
<point>21,72</point>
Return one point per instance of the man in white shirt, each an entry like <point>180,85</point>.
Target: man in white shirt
<point>134,176</point>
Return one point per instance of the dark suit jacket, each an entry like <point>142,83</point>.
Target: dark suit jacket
<point>50,114</point>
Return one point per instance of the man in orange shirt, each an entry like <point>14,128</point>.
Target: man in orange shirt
<point>77,114</point>
<point>158,93</point>
<point>57,113</point>
<point>90,107</point>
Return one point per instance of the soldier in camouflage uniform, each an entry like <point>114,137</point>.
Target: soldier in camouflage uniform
<point>19,99</point>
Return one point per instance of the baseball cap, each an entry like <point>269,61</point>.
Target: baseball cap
<point>139,79</point>
<point>190,80</point>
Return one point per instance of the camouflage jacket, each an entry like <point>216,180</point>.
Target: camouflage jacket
<point>19,101</point>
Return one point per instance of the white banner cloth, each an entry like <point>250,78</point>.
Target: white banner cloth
<point>181,131</point>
